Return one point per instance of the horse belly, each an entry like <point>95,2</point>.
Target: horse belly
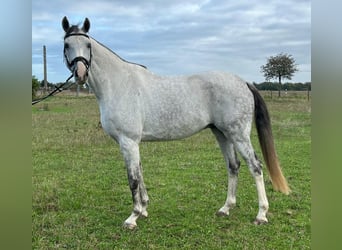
<point>175,123</point>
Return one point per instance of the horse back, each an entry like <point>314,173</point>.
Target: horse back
<point>178,107</point>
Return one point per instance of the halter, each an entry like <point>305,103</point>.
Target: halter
<point>78,58</point>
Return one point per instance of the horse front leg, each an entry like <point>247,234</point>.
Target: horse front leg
<point>130,151</point>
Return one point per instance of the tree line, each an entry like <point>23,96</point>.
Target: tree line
<point>274,86</point>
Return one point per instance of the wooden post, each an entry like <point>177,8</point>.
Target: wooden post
<point>77,90</point>
<point>279,87</point>
<point>45,74</point>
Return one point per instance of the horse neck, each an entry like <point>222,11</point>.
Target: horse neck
<point>107,71</point>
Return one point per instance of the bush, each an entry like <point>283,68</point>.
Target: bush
<point>35,86</point>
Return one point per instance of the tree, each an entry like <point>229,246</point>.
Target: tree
<point>35,86</point>
<point>278,67</point>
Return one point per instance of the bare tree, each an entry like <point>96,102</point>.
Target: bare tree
<point>278,67</point>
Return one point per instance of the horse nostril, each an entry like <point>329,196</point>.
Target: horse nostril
<point>75,72</point>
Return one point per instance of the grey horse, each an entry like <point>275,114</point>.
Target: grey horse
<point>137,105</point>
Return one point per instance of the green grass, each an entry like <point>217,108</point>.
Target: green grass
<point>81,195</point>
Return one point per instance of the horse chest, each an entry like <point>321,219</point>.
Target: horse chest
<point>121,121</point>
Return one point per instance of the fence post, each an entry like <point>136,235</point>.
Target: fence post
<point>45,73</point>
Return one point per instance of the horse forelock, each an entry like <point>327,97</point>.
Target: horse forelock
<point>74,29</point>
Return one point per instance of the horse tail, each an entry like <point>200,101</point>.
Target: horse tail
<point>263,126</point>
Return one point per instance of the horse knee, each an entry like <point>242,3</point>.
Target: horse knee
<point>234,167</point>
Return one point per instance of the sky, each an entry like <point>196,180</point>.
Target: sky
<point>180,37</point>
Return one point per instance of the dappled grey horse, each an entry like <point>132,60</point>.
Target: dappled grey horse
<point>137,105</point>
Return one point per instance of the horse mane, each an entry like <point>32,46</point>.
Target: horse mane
<point>118,55</point>
<point>75,29</point>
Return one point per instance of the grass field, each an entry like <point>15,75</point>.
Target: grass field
<point>81,195</point>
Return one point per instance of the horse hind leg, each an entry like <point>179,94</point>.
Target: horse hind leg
<point>244,147</point>
<point>233,166</point>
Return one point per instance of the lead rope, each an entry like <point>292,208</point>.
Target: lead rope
<point>54,91</point>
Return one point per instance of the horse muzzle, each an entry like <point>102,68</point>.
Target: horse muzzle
<point>79,68</point>
<point>80,72</point>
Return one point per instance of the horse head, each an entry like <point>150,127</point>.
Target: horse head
<point>77,49</point>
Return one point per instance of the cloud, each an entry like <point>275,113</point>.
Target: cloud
<point>183,37</point>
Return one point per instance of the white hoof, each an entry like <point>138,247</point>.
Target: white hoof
<point>144,214</point>
<point>129,226</point>
<point>260,221</point>
<point>222,212</point>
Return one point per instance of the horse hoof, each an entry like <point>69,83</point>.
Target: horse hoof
<point>260,222</point>
<point>221,214</point>
<point>129,226</point>
<point>144,215</point>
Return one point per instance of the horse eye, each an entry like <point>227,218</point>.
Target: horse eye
<point>66,46</point>
<point>88,45</point>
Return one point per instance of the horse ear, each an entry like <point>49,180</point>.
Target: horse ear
<point>86,25</point>
<point>65,24</point>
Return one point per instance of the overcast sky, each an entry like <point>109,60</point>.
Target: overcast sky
<point>180,37</point>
